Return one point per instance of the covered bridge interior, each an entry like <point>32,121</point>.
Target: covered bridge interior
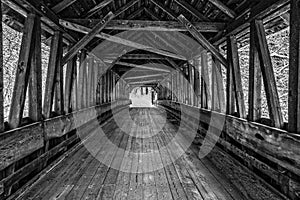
<point>204,137</point>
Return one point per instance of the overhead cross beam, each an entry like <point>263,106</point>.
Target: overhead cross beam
<point>143,77</point>
<point>87,38</point>
<point>48,16</point>
<point>192,10</point>
<point>219,4</point>
<point>122,41</point>
<point>241,22</point>
<point>62,5</point>
<point>96,9</point>
<point>141,25</point>
<point>141,66</point>
<point>202,40</point>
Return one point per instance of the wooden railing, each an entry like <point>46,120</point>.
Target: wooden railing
<point>26,151</point>
<point>273,154</point>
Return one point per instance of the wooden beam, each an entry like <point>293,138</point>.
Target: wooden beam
<point>143,82</point>
<point>1,75</point>
<point>141,67</point>
<point>143,77</point>
<point>233,59</point>
<point>192,10</point>
<point>268,75</point>
<point>135,13</point>
<point>242,22</point>
<point>153,15</point>
<point>126,7</point>
<point>219,4</point>
<point>205,82</point>
<point>54,63</point>
<point>218,92</point>
<point>202,40</point>
<point>35,83</point>
<point>48,16</point>
<point>22,74</point>
<point>118,40</point>
<point>87,38</point>
<point>142,57</point>
<point>69,83</point>
<point>255,79</point>
<point>97,8</point>
<point>167,10</point>
<point>62,5</point>
<point>294,75</point>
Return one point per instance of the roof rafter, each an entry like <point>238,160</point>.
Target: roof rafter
<point>203,41</point>
<point>141,25</point>
<point>141,66</point>
<point>219,4</point>
<point>97,8</point>
<point>62,5</point>
<point>115,39</point>
<point>192,10</point>
<point>87,38</point>
<point>48,16</point>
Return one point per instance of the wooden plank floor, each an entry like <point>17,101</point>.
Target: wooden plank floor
<point>137,166</point>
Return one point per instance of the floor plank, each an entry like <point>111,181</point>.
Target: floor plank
<point>140,165</point>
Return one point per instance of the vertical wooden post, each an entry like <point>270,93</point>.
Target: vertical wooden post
<point>197,82</point>
<point>190,84</point>
<point>69,83</point>
<point>268,75</point>
<point>255,79</point>
<point>294,74</point>
<point>75,86</point>
<point>22,75</point>
<point>51,74</point>
<point>205,82</point>
<point>218,92</point>
<point>90,81</point>
<point>59,85</point>
<point>35,83</point>
<point>234,76</point>
<point>1,75</point>
<point>95,84</point>
<point>82,79</point>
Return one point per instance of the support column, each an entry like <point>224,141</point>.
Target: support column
<point>1,75</point>
<point>234,82</point>
<point>255,79</point>
<point>23,72</point>
<point>205,82</point>
<point>294,75</point>
<point>268,75</point>
<point>69,84</point>
<point>35,83</point>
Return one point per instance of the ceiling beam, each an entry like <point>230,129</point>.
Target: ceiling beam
<point>242,22</point>
<point>135,13</point>
<point>62,5</point>
<point>167,10</point>
<point>141,25</point>
<point>219,4</point>
<point>97,8</point>
<point>141,67</point>
<point>203,41</point>
<point>143,77</point>
<point>118,40</point>
<point>153,15</point>
<point>192,10</point>
<point>142,57</point>
<point>126,7</point>
<point>87,38</point>
<point>48,16</point>
<point>142,82</point>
